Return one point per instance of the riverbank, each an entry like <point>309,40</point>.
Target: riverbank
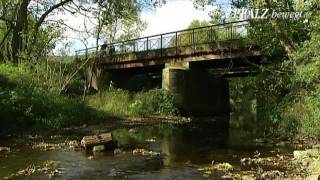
<point>31,101</point>
<point>302,164</point>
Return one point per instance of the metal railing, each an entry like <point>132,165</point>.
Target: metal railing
<point>172,40</point>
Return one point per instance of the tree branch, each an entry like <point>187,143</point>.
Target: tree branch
<point>5,37</point>
<point>285,42</point>
<point>52,8</point>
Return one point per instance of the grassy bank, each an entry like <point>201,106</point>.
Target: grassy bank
<point>26,101</point>
<point>121,103</point>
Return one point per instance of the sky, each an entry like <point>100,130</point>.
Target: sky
<point>174,15</point>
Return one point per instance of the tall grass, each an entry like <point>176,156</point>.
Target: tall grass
<point>123,103</point>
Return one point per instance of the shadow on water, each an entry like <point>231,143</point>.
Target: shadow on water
<point>183,148</point>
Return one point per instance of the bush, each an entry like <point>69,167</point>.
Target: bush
<point>302,115</point>
<point>26,101</point>
<point>157,101</point>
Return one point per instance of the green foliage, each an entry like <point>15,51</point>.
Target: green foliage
<point>156,101</point>
<point>203,36</point>
<point>29,29</point>
<point>197,24</point>
<point>300,109</point>
<point>301,114</point>
<point>243,104</point>
<point>25,101</point>
<point>118,20</point>
<point>121,103</point>
<point>23,38</point>
<point>51,76</point>
<point>115,102</point>
<point>289,90</point>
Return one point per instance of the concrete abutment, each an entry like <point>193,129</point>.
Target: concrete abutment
<point>197,92</point>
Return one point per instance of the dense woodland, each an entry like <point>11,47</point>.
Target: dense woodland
<point>41,90</point>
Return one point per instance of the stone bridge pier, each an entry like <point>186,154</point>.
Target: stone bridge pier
<point>197,92</point>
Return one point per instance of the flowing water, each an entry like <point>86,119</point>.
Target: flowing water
<point>183,150</point>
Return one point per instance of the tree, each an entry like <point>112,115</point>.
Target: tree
<point>289,85</point>
<point>299,109</point>
<point>17,15</point>
<point>218,16</point>
<point>23,21</point>
<point>122,23</point>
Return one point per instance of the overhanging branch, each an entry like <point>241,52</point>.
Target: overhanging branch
<point>52,8</point>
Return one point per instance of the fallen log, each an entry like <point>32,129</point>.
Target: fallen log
<point>88,142</point>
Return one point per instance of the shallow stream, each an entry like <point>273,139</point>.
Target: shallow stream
<point>184,149</point>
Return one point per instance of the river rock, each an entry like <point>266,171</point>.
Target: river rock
<point>306,153</point>
<point>99,148</point>
<point>227,177</point>
<point>132,131</point>
<point>74,145</point>
<point>247,177</point>
<point>316,146</point>
<point>145,152</point>
<point>314,168</point>
<point>118,151</point>
<point>4,149</point>
<point>223,167</point>
<point>275,174</point>
<point>150,140</point>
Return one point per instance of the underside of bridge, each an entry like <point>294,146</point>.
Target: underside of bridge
<point>200,88</point>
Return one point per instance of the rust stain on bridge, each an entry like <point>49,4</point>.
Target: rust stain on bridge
<point>223,42</point>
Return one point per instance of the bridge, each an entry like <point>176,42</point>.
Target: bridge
<point>193,64</point>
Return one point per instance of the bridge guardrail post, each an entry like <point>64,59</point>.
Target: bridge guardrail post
<point>193,41</point>
<point>134,46</point>
<point>176,43</point>
<point>147,51</point>
<point>231,33</point>
<point>161,46</point>
<point>210,34</point>
<point>147,44</point>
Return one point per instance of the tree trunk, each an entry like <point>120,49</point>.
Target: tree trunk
<point>18,30</point>
<point>102,139</point>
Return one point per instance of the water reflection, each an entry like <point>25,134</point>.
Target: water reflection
<point>183,148</point>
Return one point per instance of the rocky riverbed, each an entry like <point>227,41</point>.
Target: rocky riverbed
<point>159,151</point>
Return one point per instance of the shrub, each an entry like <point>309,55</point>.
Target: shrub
<point>302,115</point>
<point>26,101</point>
<point>158,101</point>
